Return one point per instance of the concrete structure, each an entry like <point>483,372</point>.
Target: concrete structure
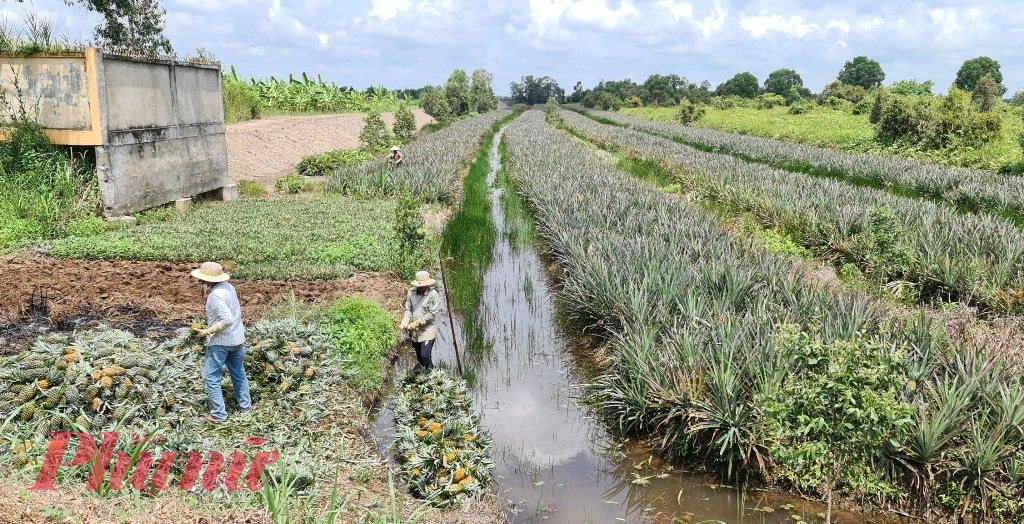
<point>157,125</point>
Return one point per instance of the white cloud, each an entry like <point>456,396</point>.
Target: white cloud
<point>597,11</point>
<point>546,12</point>
<point>838,24</point>
<point>868,25</point>
<point>437,7</point>
<point>714,21</point>
<point>324,39</point>
<point>946,20</point>
<point>759,25</point>
<point>681,10</point>
<point>387,9</point>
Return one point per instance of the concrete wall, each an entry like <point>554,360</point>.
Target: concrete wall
<point>157,125</point>
<point>164,133</point>
<point>58,91</point>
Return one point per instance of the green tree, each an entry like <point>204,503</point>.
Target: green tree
<point>135,26</point>
<point>743,84</point>
<point>912,87</point>
<point>689,112</point>
<point>481,92</point>
<point>374,138</point>
<point>435,104</point>
<point>972,70</point>
<point>456,90</point>
<point>781,82</point>
<point>609,102</point>
<point>862,71</point>
<point>987,93</point>
<point>405,123</point>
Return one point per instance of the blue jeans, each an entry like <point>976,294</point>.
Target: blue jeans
<point>213,370</point>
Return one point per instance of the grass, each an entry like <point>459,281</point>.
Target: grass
<point>325,237</point>
<point>363,332</point>
<point>826,127</point>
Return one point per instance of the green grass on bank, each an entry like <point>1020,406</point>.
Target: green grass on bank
<point>837,129</point>
<point>309,238</point>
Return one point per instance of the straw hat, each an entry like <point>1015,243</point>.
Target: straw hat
<point>394,148</point>
<point>423,279</point>
<point>211,272</point>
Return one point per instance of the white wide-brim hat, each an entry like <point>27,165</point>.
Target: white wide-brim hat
<point>394,148</point>
<point>423,279</point>
<point>211,272</point>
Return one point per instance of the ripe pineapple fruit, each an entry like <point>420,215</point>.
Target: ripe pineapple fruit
<point>304,389</point>
<point>106,382</point>
<point>460,474</point>
<point>118,413</point>
<point>92,391</point>
<point>43,384</point>
<point>83,421</point>
<point>96,404</point>
<point>121,393</point>
<point>284,386</point>
<point>310,372</point>
<point>72,357</point>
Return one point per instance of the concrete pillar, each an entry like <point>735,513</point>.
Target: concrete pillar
<point>183,205</point>
<point>229,193</point>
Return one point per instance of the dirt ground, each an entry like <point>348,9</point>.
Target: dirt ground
<point>146,295</point>
<point>267,148</point>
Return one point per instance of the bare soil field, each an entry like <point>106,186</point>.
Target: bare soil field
<point>145,297</point>
<point>267,148</point>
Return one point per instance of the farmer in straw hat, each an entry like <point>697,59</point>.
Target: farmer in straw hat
<point>225,339</point>
<point>396,156</point>
<point>421,305</point>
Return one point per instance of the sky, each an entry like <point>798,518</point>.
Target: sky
<point>412,43</point>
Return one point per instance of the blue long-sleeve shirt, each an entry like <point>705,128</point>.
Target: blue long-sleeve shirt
<point>222,306</point>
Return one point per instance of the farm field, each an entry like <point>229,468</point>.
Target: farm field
<point>321,280</point>
<point>269,147</point>
<point>825,127</point>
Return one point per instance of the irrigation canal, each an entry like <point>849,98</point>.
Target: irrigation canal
<point>554,460</point>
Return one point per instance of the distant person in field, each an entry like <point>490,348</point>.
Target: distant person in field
<point>225,341</point>
<point>421,304</point>
<point>396,156</point>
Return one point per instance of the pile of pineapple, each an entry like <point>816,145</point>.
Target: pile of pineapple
<point>288,355</point>
<point>93,380</point>
<point>443,455</point>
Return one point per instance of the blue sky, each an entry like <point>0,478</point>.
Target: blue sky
<point>410,43</point>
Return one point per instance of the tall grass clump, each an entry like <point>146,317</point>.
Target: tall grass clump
<point>44,191</point>
<point>430,170</point>
<point>928,251</point>
<point>711,341</point>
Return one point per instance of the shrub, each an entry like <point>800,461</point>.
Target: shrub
<point>551,108</point>
<point>291,184</point>
<point>769,100</point>
<point>609,102</point>
<point>325,163</point>
<point>799,108</point>
<point>410,236</point>
<point>251,189</point>
<point>590,101</point>
<point>241,102</point>
<point>362,332</point>
<point>435,103</point>
<point>375,138</point>
<point>633,101</point>
<point>864,107</point>
<point>689,113</point>
<point>405,123</point>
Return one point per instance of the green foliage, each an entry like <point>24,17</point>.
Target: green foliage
<point>633,101</point>
<point>44,192</point>
<point>251,189</point>
<point>799,108</point>
<point>743,85</point>
<point>935,122</point>
<point>609,102</point>
<point>456,90</point>
<point>375,138</point>
<point>268,239</point>
<point>481,92</point>
<point>551,110</point>
<point>972,71</point>
<point>532,90</point>
<point>292,184</point>
<point>362,332</point>
<point>862,71</point>
<point>987,93</point>
<point>134,27</point>
<point>769,100</point>
<point>435,103</point>
<point>912,87</point>
<point>241,102</point>
<point>689,113</point>
<point>405,124</point>
<point>325,163</point>
<point>782,81</point>
<point>840,410</point>
<point>410,237</point>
